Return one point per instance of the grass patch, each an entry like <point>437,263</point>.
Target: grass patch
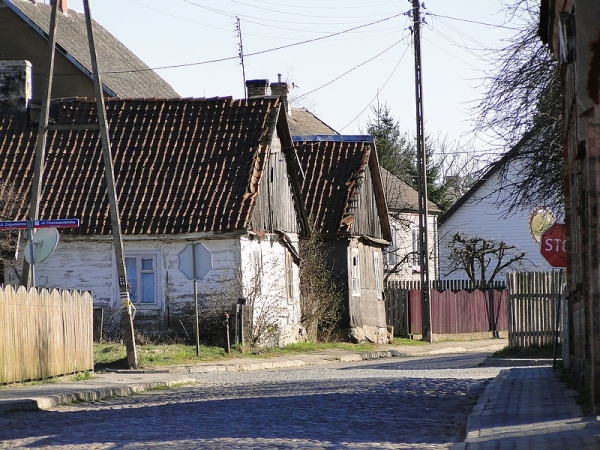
<point>113,356</point>
<point>545,351</point>
<point>82,376</point>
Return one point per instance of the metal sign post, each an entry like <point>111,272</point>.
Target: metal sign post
<point>195,261</point>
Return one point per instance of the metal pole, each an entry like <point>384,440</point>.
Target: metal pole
<point>558,301</point>
<point>422,172</point>
<point>40,149</point>
<point>126,316</point>
<point>196,298</point>
<point>32,265</point>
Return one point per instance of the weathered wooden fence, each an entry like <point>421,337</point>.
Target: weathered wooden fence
<point>532,308</point>
<point>470,310</point>
<point>44,333</point>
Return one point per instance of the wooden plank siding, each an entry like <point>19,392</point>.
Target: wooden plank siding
<point>365,209</point>
<point>532,308</point>
<point>275,206</point>
<point>44,333</point>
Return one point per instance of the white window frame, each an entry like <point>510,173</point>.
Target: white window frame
<point>257,272</point>
<point>415,260</point>
<point>377,269</point>
<point>139,256</point>
<point>289,277</point>
<point>355,272</point>
<point>390,254</point>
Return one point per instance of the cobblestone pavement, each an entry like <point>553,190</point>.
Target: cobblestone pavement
<point>401,403</point>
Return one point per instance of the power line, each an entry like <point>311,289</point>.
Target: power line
<point>229,58</point>
<point>474,22</point>
<point>350,70</point>
<point>378,91</point>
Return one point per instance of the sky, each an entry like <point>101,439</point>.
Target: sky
<point>343,57</point>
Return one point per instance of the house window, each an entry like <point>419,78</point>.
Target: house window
<point>414,229</point>
<point>141,278</point>
<point>256,273</point>
<point>377,273</point>
<point>390,254</point>
<point>289,277</point>
<point>355,271</point>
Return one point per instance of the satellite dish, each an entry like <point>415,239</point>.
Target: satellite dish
<point>45,241</point>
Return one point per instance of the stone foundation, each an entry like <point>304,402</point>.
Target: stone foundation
<point>368,333</point>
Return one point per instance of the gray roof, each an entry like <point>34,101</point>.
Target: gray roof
<point>134,79</point>
<point>400,196</point>
<point>304,123</point>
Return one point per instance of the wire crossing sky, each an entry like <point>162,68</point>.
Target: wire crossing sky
<point>343,57</point>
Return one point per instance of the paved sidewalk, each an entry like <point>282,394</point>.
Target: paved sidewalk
<point>106,384</point>
<point>529,408</point>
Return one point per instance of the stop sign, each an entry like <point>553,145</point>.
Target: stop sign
<point>553,245</point>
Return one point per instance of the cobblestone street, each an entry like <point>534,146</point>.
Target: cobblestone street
<point>394,403</point>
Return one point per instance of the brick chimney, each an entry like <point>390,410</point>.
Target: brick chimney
<point>257,88</point>
<point>281,90</point>
<point>62,5</point>
<point>15,86</point>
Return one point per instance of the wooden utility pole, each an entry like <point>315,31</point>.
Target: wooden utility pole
<point>27,279</point>
<point>115,217</point>
<point>422,173</point>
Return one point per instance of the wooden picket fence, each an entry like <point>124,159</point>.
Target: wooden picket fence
<point>532,308</point>
<point>471,309</point>
<point>44,333</point>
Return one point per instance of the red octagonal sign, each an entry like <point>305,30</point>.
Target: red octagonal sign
<point>553,245</point>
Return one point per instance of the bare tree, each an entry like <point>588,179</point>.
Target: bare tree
<point>481,259</point>
<point>320,298</point>
<point>521,112</point>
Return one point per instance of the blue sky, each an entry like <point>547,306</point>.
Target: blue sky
<point>368,59</point>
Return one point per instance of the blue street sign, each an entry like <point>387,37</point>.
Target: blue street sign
<point>55,223</point>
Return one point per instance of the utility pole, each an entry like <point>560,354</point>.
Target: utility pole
<point>27,276</point>
<point>115,217</point>
<point>422,173</point>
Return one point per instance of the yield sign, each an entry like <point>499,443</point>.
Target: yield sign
<point>553,245</point>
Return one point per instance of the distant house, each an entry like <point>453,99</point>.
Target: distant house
<point>401,258</point>
<point>478,213</point>
<point>216,171</point>
<point>24,28</point>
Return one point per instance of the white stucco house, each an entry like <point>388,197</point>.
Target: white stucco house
<point>479,213</point>
<point>212,171</point>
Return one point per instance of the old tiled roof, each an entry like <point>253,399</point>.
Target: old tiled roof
<point>302,123</point>
<point>332,171</point>
<point>123,73</point>
<point>400,196</point>
<point>181,166</point>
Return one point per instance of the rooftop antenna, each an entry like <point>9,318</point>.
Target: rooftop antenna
<point>238,28</point>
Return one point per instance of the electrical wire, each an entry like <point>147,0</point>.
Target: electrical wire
<point>229,58</point>
<point>475,22</point>
<point>350,70</point>
<point>378,91</point>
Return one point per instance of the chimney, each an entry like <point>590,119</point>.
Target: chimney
<point>257,88</point>
<point>281,90</point>
<point>62,5</point>
<point>15,86</point>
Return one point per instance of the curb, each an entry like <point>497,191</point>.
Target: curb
<point>112,389</point>
<point>473,427</point>
<point>87,395</point>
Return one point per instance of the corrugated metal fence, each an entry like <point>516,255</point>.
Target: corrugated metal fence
<point>44,333</point>
<point>532,308</point>
<point>456,307</point>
